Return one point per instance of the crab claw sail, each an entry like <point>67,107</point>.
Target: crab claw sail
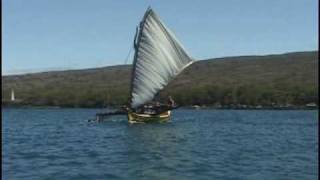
<point>159,57</point>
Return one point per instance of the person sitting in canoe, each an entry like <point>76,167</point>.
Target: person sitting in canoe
<point>160,108</point>
<point>154,107</point>
<point>171,102</point>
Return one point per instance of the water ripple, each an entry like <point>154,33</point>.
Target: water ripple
<point>203,144</point>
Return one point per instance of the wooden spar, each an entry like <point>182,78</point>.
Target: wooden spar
<point>101,116</point>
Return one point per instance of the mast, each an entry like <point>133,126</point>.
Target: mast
<point>136,47</point>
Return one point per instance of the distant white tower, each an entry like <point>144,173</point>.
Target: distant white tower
<point>12,95</point>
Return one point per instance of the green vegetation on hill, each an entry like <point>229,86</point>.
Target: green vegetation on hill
<point>271,80</point>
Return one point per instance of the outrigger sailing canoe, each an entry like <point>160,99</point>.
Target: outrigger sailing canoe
<point>158,58</point>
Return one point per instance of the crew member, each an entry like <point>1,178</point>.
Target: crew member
<point>171,102</point>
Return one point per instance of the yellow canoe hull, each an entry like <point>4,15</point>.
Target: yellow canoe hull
<point>143,118</point>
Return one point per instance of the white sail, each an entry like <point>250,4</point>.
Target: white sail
<point>12,95</point>
<point>159,57</point>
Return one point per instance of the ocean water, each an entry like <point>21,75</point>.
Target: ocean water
<point>195,144</point>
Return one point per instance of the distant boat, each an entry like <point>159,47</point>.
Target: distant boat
<point>158,58</point>
<point>12,95</point>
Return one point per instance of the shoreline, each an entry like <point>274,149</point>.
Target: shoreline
<point>182,107</point>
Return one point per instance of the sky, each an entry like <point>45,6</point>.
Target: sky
<point>44,35</point>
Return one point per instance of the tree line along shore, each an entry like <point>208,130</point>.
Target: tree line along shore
<point>285,81</point>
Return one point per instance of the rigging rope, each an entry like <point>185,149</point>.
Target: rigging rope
<point>126,60</point>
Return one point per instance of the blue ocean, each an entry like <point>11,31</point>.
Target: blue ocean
<point>43,144</point>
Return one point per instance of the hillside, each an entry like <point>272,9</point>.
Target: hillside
<point>270,80</point>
